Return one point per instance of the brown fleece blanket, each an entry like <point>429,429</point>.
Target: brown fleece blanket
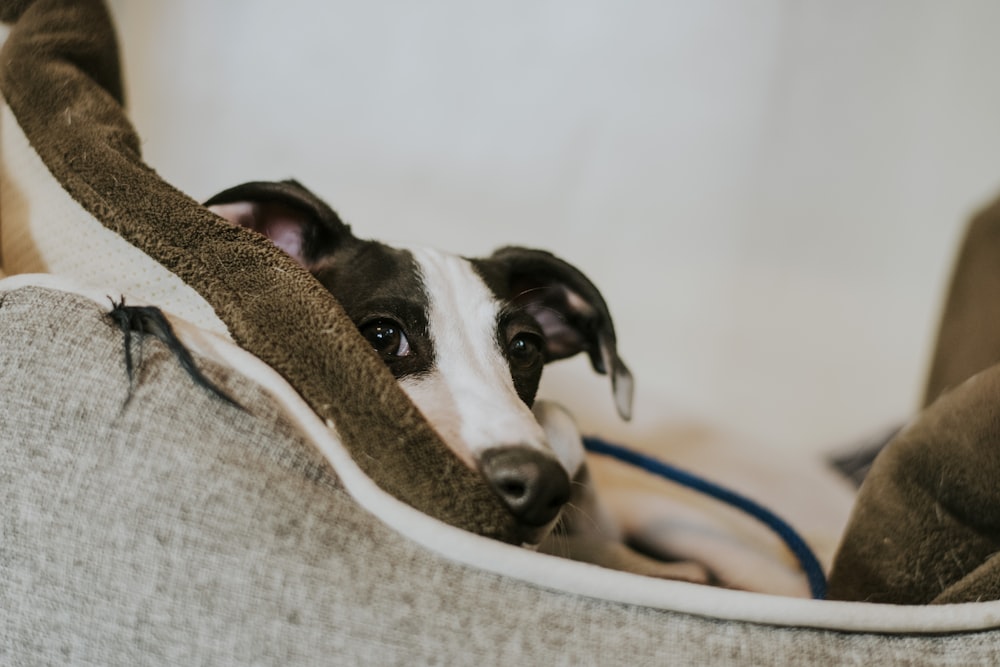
<point>926,525</point>
<point>927,522</point>
<point>61,78</point>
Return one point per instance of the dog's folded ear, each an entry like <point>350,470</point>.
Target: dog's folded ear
<point>569,308</point>
<point>296,220</point>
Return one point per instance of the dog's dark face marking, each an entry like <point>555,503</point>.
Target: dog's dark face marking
<point>466,338</point>
<point>381,290</point>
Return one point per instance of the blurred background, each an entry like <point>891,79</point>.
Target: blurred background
<point>769,193</point>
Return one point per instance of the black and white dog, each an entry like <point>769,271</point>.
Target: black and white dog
<point>467,339</point>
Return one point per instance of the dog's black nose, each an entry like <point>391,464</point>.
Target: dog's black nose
<point>530,482</point>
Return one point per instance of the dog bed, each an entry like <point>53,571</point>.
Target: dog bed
<point>319,520</point>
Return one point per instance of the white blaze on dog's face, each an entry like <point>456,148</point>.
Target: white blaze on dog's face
<point>469,394</point>
<point>466,338</point>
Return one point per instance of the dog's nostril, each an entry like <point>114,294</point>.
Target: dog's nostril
<point>514,489</point>
<point>532,484</point>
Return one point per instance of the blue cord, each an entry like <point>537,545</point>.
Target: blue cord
<point>798,546</point>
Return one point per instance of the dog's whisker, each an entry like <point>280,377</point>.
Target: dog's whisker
<point>529,290</point>
<point>594,523</point>
<point>560,539</point>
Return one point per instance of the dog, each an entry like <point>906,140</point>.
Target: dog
<point>467,339</point>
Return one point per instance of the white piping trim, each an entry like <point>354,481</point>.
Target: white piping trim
<point>551,572</point>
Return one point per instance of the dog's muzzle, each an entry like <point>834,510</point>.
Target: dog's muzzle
<point>531,483</point>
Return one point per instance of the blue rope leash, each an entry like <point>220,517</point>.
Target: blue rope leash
<point>807,559</point>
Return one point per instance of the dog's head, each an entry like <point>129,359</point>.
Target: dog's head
<point>466,338</point>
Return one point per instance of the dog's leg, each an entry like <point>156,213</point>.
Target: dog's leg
<point>618,556</point>
<point>587,532</point>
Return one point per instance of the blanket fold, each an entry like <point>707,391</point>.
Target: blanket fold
<point>926,525</point>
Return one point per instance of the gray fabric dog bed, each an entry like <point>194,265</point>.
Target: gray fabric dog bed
<point>145,521</point>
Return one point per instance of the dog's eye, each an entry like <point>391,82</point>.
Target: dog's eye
<point>387,337</point>
<point>525,350</point>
